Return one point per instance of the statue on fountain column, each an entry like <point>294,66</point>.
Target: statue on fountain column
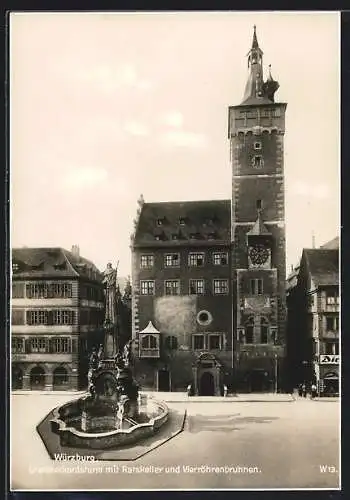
<point>110,284</point>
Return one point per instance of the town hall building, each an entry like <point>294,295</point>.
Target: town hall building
<point>208,277</point>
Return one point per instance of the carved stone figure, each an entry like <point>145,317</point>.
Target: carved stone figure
<point>110,283</point>
<point>127,353</point>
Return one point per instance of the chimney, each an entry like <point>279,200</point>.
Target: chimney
<point>75,250</point>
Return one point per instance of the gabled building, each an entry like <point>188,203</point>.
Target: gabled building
<point>209,277</point>
<point>57,311</point>
<point>313,319</point>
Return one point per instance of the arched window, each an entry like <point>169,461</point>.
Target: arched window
<point>249,330</point>
<point>264,330</point>
<point>60,377</point>
<point>149,342</point>
<point>37,378</point>
<point>171,342</point>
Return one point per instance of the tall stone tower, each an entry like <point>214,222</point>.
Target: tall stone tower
<point>256,131</point>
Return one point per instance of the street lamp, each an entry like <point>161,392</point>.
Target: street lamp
<point>276,373</point>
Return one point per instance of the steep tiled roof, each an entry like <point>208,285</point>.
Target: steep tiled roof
<point>178,222</point>
<point>333,244</point>
<point>323,265</point>
<point>51,262</point>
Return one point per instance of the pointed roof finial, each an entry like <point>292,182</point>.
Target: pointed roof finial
<point>255,44</point>
<point>270,75</point>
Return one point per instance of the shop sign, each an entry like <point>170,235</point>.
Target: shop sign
<point>329,359</point>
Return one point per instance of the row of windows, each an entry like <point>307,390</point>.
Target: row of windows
<point>330,348</point>
<point>183,221</point>
<point>43,317</point>
<point>53,291</point>
<point>196,287</point>
<point>42,345</point>
<point>200,342</point>
<point>194,260</point>
<point>332,298</point>
<point>42,290</point>
<point>264,113</point>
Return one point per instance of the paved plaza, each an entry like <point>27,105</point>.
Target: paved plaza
<point>232,443</point>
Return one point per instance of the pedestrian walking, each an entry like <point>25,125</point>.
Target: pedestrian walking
<point>303,390</point>
<point>300,390</point>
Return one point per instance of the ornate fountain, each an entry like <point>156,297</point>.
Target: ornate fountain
<point>111,414</point>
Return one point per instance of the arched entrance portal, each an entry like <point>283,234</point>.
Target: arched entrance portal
<point>207,376</point>
<point>60,379</point>
<point>37,378</point>
<point>207,385</point>
<point>17,378</point>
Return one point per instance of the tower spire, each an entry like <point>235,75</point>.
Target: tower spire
<point>254,86</point>
<point>255,44</point>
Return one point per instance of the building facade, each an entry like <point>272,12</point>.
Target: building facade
<point>57,311</point>
<point>313,320</point>
<point>209,277</point>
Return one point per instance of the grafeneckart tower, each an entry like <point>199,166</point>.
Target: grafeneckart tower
<point>256,132</point>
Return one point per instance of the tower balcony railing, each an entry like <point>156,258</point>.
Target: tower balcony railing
<point>149,353</point>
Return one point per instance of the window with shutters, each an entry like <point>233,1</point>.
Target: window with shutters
<point>62,317</point>
<point>171,342</point>
<point>256,286</point>
<point>37,344</point>
<point>60,345</point>
<point>196,259</point>
<point>18,345</point>
<point>197,287</point>
<point>249,331</point>
<point>147,287</point>
<point>220,287</point>
<point>37,317</point>
<point>17,316</point>
<point>172,287</point>
<point>264,330</point>
<point>17,290</point>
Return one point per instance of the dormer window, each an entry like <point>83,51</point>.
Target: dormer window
<point>159,222</point>
<point>259,204</point>
<point>182,221</point>
<point>158,234</point>
<point>257,145</point>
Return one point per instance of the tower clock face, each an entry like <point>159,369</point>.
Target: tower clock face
<point>258,254</point>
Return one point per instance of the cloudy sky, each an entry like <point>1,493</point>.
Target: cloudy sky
<point>107,106</point>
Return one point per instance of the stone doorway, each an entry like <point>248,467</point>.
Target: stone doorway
<point>259,381</point>
<point>207,385</point>
<point>207,375</point>
<point>163,380</point>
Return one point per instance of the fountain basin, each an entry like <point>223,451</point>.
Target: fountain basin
<point>82,426</point>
